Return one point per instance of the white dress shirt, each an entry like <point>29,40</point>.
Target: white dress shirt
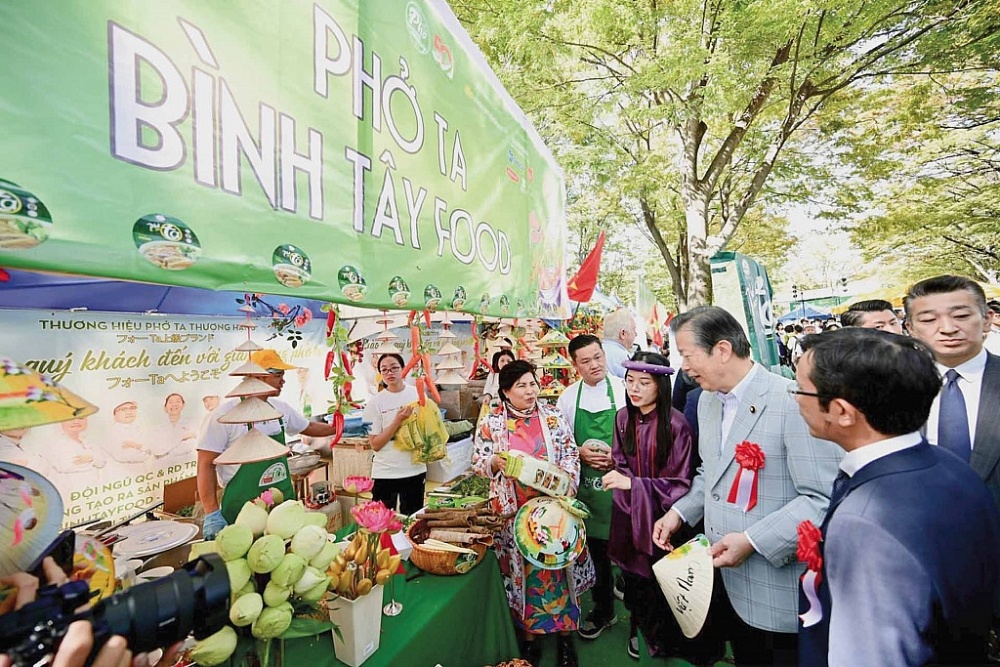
<point>731,404</point>
<point>971,385</point>
<point>862,456</point>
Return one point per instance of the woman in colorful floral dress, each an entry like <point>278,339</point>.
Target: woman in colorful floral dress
<point>541,601</point>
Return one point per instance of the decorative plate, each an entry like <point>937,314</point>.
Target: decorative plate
<point>153,537</point>
<point>548,534</point>
<point>92,562</point>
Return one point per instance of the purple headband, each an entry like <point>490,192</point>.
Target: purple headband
<point>654,369</point>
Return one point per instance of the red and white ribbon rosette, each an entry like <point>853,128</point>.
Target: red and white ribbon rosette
<point>808,552</point>
<point>750,458</point>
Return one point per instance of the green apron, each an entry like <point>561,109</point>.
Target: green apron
<point>595,426</point>
<point>253,479</point>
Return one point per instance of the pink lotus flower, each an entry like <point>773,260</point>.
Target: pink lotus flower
<point>375,517</point>
<point>268,499</point>
<point>358,484</point>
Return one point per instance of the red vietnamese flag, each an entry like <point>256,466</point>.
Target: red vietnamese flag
<point>581,286</point>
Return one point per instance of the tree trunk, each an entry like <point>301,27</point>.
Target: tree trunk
<point>699,270</point>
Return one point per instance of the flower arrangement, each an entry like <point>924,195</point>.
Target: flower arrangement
<point>365,564</point>
<point>276,554</point>
<point>285,320</point>
<point>358,484</point>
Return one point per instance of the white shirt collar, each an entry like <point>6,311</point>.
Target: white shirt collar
<point>862,456</point>
<point>739,391</point>
<point>972,370</point>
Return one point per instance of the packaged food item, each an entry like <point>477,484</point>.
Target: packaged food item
<point>538,474</point>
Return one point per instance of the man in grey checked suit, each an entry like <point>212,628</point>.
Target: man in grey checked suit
<point>754,549</point>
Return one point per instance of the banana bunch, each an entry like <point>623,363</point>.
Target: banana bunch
<point>361,566</point>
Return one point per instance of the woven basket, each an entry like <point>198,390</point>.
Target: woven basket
<point>444,563</point>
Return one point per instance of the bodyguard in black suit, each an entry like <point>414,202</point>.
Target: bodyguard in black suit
<point>949,314</point>
<point>906,556</point>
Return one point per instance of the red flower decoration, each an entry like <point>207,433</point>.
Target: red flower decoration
<point>808,549</point>
<point>749,455</point>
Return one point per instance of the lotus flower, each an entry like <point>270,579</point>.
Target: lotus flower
<point>375,517</point>
<point>357,484</point>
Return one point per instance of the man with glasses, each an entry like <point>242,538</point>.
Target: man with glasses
<point>906,562</point>
<point>762,474</point>
<point>215,437</point>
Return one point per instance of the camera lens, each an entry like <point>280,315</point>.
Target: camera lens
<point>164,611</point>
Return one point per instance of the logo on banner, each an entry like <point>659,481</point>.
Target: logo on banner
<point>276,472</point>
<point>416,24</point>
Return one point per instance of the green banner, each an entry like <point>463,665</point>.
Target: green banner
<point>741,286</point>
<point>356,152</point>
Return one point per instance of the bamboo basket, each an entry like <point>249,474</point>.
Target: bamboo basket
<point>444,563</point>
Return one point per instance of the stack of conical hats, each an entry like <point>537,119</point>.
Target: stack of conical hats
<point>253,408</point>
<point>451,362</point>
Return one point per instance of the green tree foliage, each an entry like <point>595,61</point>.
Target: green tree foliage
<point>693,115</point>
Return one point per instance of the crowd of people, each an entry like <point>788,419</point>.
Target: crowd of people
<point>853,512</point>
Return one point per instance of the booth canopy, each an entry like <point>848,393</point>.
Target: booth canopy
<point>807,312</point>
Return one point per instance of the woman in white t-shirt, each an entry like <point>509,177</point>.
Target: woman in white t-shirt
<point>396,477</point>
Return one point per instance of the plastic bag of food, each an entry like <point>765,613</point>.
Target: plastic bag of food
<point>424,434</point>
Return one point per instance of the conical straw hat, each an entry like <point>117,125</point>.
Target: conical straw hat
<point>251,386</point>
<point>449,363</point>
<point>248,346</point>
<point>29,399</point>
<point>554,337</point>
<point>250,448</point>
<point>448,348</point>
<point>249,368</point>
<point>686,576</point>
<point>249,411</point>
<point>247,325</point>
<point>445,333</point>
<point>449,376</point>
<point>386,348</point>
<point>556,360</point>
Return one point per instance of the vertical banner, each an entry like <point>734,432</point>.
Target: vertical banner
<point>741,286</point>
<point>155,379</point>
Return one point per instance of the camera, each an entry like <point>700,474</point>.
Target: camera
<point>156,614</point>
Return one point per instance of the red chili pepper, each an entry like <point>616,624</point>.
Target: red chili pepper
<point>328,365</point>
<point>347,362</point>
<point>425,360</point>
<point>415,339</point>
<point>331,321</point>
<point>338,425</point>
<point>427,318</point>
<point>409,318</point>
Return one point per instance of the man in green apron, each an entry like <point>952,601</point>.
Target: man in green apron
<point>590,406</point>
<point>247,481</point>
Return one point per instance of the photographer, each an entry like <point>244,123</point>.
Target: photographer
<point>79,640</point>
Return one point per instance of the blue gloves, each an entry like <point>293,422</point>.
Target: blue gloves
<point>214,522</point>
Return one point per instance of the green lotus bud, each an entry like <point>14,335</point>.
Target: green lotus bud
<point>266,553</point>
<point>233,541</point>
<point>246,609</point>
<point>247,588</point>
<point>272,622</point>
<point>215,649</point>
<point>326,555</point>
<point>315,519</point>
<point>316,593</point>
<point>239,573</point>
<point>289,570</point>
<point>286,519</point>
<point>277,495</point>
<point>275,594</point>
<point>309,578</point>
<point>308,541</point>
<point>254,517</point>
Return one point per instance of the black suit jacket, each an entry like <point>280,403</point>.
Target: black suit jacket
<point>986,447</point>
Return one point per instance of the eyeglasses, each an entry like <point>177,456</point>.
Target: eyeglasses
<point>392,369</point>
<point>793,390</point>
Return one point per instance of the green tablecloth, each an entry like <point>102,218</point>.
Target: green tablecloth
<point>460,621</point>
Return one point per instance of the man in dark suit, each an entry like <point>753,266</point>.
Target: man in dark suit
<point>908,552</point>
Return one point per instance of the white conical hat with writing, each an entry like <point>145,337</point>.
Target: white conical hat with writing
<point>249,411</point>
<point>250,448</point>
<point>686,577</point>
